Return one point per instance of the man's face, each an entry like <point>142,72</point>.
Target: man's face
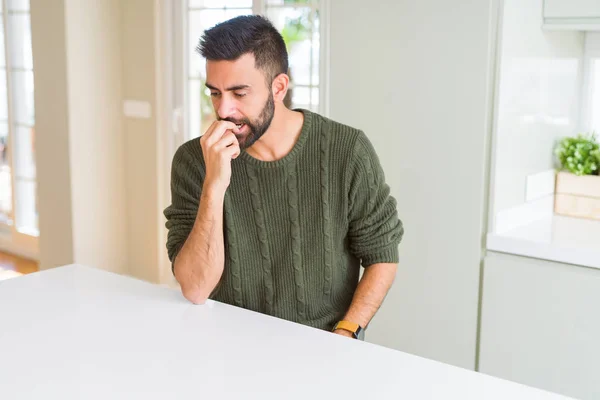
<point>240,94</point>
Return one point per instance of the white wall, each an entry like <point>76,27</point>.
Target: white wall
<point>99,198</point>
<point>590,112</point>
<point>415,75</point>
<point>141,140</point>
<point>52,133</point>
<point>96,134</point>
<point>539,88</point>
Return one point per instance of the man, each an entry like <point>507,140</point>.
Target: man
<point>274,209</point>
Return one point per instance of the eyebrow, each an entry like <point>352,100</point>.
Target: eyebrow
<point>229,89</point>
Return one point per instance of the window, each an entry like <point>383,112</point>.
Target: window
<point>18,208</point>
<point>299,21</point>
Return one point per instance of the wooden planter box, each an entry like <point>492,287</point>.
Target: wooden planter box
<point>577,196</point>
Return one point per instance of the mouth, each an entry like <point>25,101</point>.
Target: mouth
<point>241,128</point>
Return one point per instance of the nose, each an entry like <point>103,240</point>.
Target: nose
<point>225,107</point>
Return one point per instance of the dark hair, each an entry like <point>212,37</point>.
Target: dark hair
<point>253,34</point>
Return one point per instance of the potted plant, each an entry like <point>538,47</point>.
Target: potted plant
<point>578,180</point>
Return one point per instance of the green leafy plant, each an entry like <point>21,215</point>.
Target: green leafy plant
<point>579,155</point>
<point>296,29</point>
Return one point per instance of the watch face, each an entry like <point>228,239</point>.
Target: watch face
<point>360,333</point>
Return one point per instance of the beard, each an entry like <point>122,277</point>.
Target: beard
<point>258,127</point>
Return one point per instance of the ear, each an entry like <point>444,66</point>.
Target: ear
<point>280,87</point>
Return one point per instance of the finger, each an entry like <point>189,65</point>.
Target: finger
<point>232,151</point>
<point>227,140</point>
<point>219,129</point>
<point>209,131</point>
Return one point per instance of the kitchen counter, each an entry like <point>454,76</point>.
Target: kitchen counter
<point>555,238</point>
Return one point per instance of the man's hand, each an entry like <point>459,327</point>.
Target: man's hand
<point>199,265</point>
<point>219,147</point>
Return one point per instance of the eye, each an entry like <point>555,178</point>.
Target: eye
<point>214,94</point>
<point>240,95</point>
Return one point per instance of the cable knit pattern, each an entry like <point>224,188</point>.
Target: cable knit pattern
<point>326,213</point>
<point>296,241</point>
<point>262,237</point>
<point>373,221</point>
<point>370,179</point>
<point>233,253</point>
<point>297,229</point>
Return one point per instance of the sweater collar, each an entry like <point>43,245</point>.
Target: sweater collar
<point>304,133</point>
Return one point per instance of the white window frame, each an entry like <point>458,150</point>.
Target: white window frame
<point>181,62</point>
<point>25,244</point>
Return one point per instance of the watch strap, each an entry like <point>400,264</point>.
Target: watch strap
<point>349,326</point>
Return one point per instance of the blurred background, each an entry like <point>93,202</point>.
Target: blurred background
<point>482,113</point>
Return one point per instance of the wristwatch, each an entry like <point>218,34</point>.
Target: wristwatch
<point>357,331</point>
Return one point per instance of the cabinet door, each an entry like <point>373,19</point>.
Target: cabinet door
<point>540,324</point>
<point>571,8</point>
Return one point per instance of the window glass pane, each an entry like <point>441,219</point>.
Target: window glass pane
<point>314,102</point>
<point>3,144</point>
<point>3,97</point>
<point>290,2</point>
<point>5,184</point>
<point>199,21</point>
<point>300,97</point>
<point>237,12</point>
<point>194,108</point>
<point>2,61</point>
<point>239,4</point>
<point>22,95</point>
<point>20,37</point>
<point>26,207</point>
<point>24,152</point>
<point>316,48</point>
<point>220,3</point>
<point>22,143</point>
<point>18,5</point>
<point>295,26</point>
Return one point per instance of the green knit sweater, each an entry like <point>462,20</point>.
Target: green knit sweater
<point>296,229</point>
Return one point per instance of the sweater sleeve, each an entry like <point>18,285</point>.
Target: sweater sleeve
<point>375,230</point>
<point>186,184</point>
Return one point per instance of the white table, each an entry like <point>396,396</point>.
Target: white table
<point>80,333</point>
